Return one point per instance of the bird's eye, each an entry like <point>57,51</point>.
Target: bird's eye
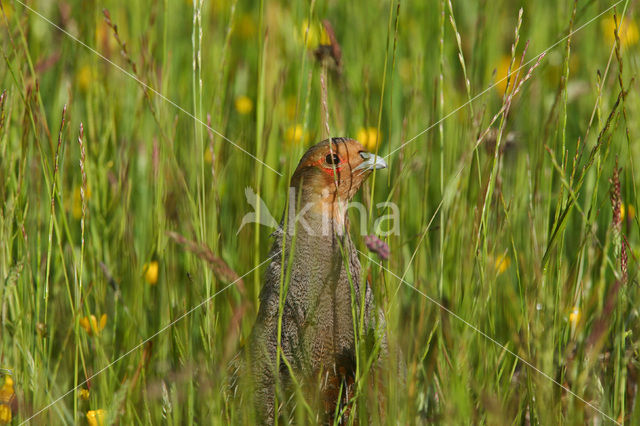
<point>332,159</point>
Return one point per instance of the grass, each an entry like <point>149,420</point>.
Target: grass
<point>512,287</point>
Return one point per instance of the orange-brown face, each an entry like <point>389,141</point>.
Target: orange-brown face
<point>344,163</point>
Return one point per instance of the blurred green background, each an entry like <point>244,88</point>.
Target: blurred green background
<point>517,211</point>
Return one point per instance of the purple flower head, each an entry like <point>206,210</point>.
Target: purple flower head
<point>377,246</point>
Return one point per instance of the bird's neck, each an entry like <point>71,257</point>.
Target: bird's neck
<point>316,213</point>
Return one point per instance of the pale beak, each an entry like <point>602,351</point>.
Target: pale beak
<point>371,161</point>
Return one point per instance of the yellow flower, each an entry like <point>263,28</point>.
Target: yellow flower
<point>84,77</point>
<point>7,396</point>
<point>502,71</point>
<point>84,394</point>
<point>76,205</point>
<point>91,325</point>
<point>5,414</point>
<point>246,26</point>
<point>151,272</point>
<point>574,316</point>
<point>628,31</point>
<point>244,105</point>
<point>295,135</point>
<point>369,138</point>
<point>502,263</point>
<point>315,34</point>
<point>6,391</point>
<point>96,417</point>
<point>623,211</point>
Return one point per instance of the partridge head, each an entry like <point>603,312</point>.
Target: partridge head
<point>329,175</point>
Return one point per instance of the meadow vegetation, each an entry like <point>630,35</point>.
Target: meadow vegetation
<point>130,130</point>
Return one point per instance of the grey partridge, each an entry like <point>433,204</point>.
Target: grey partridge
<point>312,287</point>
